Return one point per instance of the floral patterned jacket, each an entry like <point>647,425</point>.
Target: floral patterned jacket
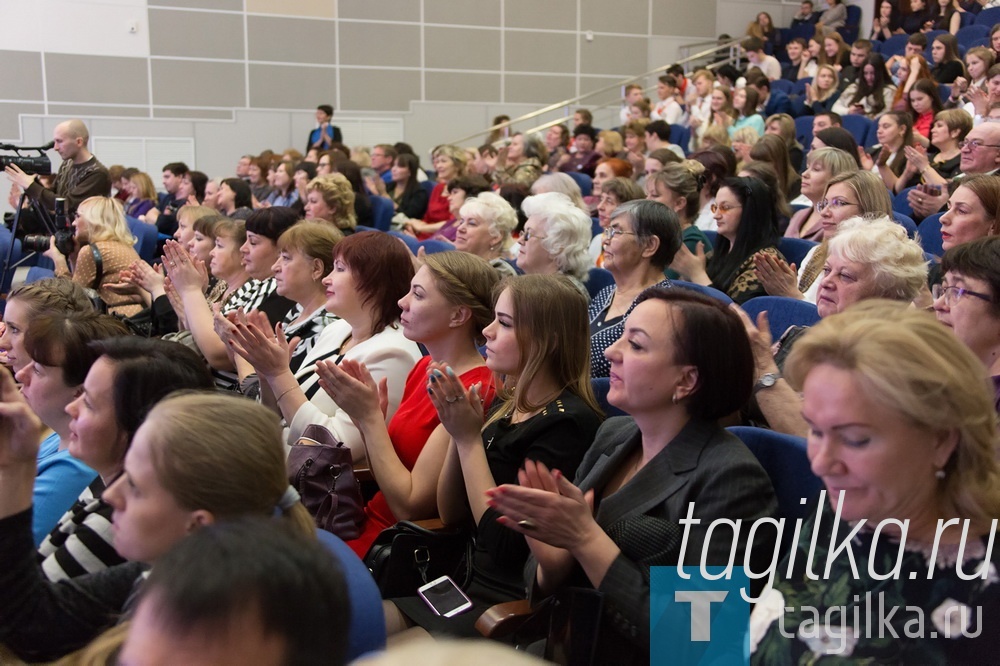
<point>908,618</point>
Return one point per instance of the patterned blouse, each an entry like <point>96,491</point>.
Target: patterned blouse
<point>605,331</point>
<point>746,285</point>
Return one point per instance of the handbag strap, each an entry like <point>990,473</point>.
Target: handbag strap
<point>98,265</point>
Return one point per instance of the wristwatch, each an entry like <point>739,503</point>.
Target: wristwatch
<point>766,381</point>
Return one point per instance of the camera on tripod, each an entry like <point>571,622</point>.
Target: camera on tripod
<point>63,233</point>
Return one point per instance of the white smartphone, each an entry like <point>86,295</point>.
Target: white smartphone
<point>444,597</point>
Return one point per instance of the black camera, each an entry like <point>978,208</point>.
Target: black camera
<point>33,164</point>
<point>65,242</point>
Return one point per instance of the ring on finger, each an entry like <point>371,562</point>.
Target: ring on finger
<point>452,400</point>
<point>526,524</point>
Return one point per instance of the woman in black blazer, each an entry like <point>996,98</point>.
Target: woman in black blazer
<point>682,363</point>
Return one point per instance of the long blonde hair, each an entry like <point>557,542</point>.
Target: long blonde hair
<point>105,220</point>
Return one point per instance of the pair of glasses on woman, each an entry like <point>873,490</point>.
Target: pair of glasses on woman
<point>953,294</point>
<point>833,204</point>
<point>724,208</point>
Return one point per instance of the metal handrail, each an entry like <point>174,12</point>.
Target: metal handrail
<point>578,98</point>
<point>557,121</point>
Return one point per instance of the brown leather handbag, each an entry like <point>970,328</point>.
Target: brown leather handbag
<point>321,470</point>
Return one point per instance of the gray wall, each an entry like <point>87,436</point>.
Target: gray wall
<point>208,80</point>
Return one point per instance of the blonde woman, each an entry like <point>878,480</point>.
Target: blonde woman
<point>331,198</point>
<point>821,96</point>
<point>142,194</point>
<point>104,247</point>
<point>902,432</point>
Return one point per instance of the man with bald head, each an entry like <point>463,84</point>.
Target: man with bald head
<point>980,154</point>
<point>80,175</point>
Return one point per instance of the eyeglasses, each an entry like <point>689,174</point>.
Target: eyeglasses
<point>611,232</point>
<point>975,144</point>
<point>834,204</point>
<point>527,236</point>
<point>953,294</point>
<point>724,208</point>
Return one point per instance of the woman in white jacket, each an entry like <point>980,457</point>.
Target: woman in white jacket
<point>371,272</point>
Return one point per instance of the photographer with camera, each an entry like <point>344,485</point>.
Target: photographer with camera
<point>80,175</point>
<point>102,247</point>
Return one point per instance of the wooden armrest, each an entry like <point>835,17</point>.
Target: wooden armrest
<point>433,524</point>
<point>504,619</point>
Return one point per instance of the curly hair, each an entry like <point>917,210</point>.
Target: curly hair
<point>568,232</point>
<point>338,195</point>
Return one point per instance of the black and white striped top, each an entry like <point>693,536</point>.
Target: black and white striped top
<point>81,541</point>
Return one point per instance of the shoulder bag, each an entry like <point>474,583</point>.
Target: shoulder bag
<point>321,469</point>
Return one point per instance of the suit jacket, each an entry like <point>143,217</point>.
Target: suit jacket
<point>704,464</point>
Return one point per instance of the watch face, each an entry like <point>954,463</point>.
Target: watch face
<point>768,380</point>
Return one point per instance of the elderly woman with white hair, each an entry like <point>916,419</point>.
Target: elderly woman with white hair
<point>555,238</point>
<point>866,259</point>
<point>484,229</point>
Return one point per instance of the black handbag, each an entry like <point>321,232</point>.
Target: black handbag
<point>321,469</point>
<point>406,556</point>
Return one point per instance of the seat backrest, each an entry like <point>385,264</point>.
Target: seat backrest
<point>146,237</point>
<point>794,250</point>
<point>804,130</point>
<point>929,232</point>
<point>895,45</point>
<point>410,241</point>
<point>784,85</point>
<point>782,312</point>
<point>432,246</point>
<point>786,462</point>
<point>708,291</point>
<point>858,126</point>
<point>972,34</point>
<point>428,186</point>
<point>988,17</point>
<point>597,279</point>
<point>906,222</point>
<point>681,136</point>
<point>901,204</point>
<point>585,182</point>
<point>382,211</point>
<point>367,629</point>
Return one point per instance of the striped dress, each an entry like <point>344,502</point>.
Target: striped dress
<point>81,541</point>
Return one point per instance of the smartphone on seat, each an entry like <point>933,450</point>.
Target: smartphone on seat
<point>444,597</point>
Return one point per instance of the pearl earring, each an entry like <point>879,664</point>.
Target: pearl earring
<point>940,474</point>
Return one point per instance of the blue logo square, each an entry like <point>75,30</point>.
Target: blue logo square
<point>696,619</point>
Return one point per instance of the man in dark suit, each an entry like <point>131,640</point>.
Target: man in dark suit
<point>771,101</point>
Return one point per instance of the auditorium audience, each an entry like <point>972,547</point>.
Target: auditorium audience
<point>545,413</point>
<point>973,211</point>
<point>449,304</point>
<point>871,95</point>
<point>744,211</point>
<point>947,61</point>
<point>848,194</point>
<point>920,473</point>
<point>371,272</point>
<point>682,363</point>
<point>169,488</point>
<point>870,258</point>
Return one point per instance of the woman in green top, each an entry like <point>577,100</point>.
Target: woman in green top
<point>676,186</point>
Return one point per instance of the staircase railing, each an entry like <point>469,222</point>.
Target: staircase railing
<point>732,47</point>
